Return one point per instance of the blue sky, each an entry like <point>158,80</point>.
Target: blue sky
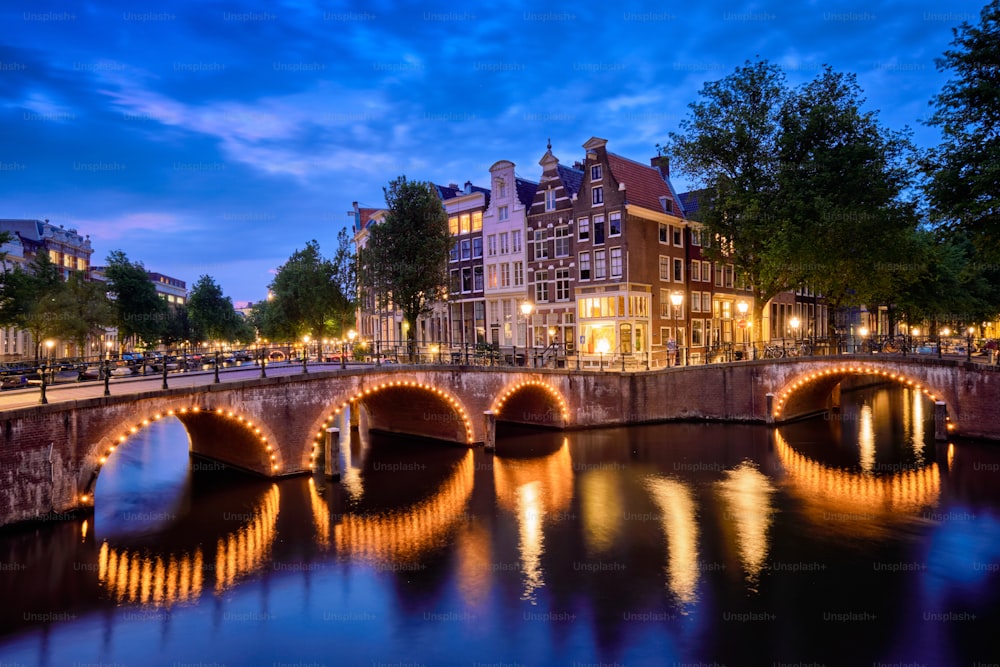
<point>215,137</point>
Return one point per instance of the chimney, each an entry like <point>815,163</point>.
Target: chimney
<point>662,164</point>
<point>578,165</point>
<point>468,187</point>
<point>453,186</point>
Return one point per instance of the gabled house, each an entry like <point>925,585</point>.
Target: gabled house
<point>504,228</point>
<point>551,260</point>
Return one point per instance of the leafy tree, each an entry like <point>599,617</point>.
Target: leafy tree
<point>730,143</point>
<point>843,177</point>
<point>29,299</point>
<point>211,314</point>
<point>964,170</point>
<point>139,312</point>
<point>83,309</point>
<point>802,185</point>
<point>345,276</point>
<point>949,287</point>
<point>305,297</point>
<point>406,257</point>
<point>178,327</point>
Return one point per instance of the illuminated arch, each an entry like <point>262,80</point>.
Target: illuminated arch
<point>786,392</point>
<point>514,388</point>
<point>361,394</point>
<point>101,452</point>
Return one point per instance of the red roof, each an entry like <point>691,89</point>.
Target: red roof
<point>643,184</point>
<point>365,216</point>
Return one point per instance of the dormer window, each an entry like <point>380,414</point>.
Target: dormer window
<point>595,172</point>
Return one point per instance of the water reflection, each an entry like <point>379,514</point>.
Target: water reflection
<point>163,578</point>
<point>629,546</point>
<point>866,439</point>
<point>533,490</point>
<point>678,516</point>
<point>746,494</point>
<point>402,535</point>
<point>847,501</point>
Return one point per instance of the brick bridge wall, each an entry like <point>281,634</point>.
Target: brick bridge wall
<point>50,455</point>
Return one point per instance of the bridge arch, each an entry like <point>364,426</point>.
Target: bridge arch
<point>814,390</point>
<point>407,407</point>
<point>253,451</point>
<point>531,402</point>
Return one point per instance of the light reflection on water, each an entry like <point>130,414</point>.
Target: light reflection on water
<point>643,546</point>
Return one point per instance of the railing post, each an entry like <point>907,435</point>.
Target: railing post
<point>107,377</point>
<point>216,379</point>
<point>164,360</point>
<point>263,362</point>
<point>43,399</point>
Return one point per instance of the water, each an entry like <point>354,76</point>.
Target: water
<point>844,540</point>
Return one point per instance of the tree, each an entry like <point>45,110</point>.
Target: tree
<point>803,187</point>
<point>30,298</point>
<point>843,177</point>
<point>964,170</point>
<point>345,277</point>
<point>83,310</point>
<point>730,144</point>
<point>305,298</point>
<point>211,314</point>
<point>406,257</point>
<point>139,311</point>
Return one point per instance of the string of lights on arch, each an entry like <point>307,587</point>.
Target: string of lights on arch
<point>395,384</point>
<point>806,379</point>
<point>102,458</point>
<point>514,388</point>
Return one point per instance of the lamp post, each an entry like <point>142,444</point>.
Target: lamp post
<point>676,299</point>
<point>218,361</point>
<point>351,335</point>
<point>305,353</point>
<point>943,332</point>
<point>968,346</point>
<point>863,332</point>
<point>526,308</point>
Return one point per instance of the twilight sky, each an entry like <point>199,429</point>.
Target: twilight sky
<point>217,137</point>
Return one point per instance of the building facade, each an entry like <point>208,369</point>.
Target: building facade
<point>504,228</point>
<point>67,249</point>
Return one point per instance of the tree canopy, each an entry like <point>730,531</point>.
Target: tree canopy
<point>212,316</point>
<point>310,295</point>
<point>801,185</point>
<point>139,311</point>
<point>405,260</point>
<point>964,170</point>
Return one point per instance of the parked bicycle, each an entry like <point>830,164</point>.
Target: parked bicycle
<point>774,351</point>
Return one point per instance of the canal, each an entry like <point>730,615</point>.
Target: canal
<point>847,539</point>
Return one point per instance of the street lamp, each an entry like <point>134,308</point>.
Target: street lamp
<point>968,346</point>
<point>343,357</point>
<point>945,333</point>
<point>526,308</point>
<point>863,332</point>
<point>305,353</point>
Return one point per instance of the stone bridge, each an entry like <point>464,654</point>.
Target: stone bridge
<point>51,455</point>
